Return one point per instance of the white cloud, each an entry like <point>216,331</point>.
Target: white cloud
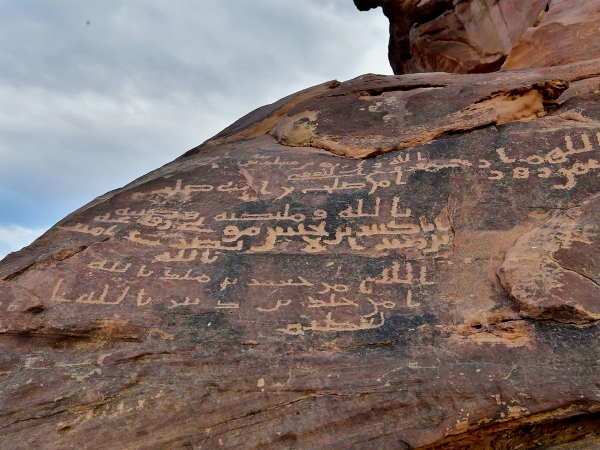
<point>93,107</point>
<point>15,237</point>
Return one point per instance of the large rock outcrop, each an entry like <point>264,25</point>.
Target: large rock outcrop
<point>391,262</point>
<point>477,36</point>
<point>275,288</point>
<point>567,33</point>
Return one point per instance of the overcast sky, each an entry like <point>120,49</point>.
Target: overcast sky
<point>95,94</point>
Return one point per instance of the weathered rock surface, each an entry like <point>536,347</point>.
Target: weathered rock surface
<point>262,291</point>
<point>569,32</point>
<point>550,272</point>
<point>480,36</point>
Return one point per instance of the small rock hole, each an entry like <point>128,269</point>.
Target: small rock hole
<point>35,309</point>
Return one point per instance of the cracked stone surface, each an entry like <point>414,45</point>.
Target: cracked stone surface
<point>552,271</point>
<point>262,291</point>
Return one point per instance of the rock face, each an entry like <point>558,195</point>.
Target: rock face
<point>275,288</point>
<point>479,36</point>
<point>567,33</point>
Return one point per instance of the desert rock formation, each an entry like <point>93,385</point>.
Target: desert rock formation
<point>479,36</point>
<point>567,33</point>
<point>389,262</point>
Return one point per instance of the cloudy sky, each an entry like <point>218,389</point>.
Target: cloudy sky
<point>95,94</point>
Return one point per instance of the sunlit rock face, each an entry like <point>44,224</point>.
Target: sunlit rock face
<point>390,262</point>
<point>480,36</point>
<point>568,32</point>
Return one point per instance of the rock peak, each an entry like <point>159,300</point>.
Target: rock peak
<point>480,36</point>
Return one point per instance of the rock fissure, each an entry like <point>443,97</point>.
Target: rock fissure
<point>28,419</point>
<point>529,432</point>
<point>574,271</point>
<point>376,92</point>
<point>258,412</point>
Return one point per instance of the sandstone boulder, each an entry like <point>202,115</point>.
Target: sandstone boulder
<point>480,36</point>
<point>390,262</point>
<point>567,33</point>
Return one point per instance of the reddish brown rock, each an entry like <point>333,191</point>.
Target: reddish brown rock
<point>263,292</point>
<point>569,32</point>
<point>480,36</point>
<point>460,36</point>
<point>551,272</point>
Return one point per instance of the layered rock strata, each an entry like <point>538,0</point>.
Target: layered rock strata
<point>390,262</point>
